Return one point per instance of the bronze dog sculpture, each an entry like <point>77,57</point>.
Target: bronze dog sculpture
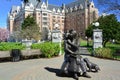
<point>91,66</point>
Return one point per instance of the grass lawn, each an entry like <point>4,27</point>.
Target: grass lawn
<point>84,42</point>
<point>110,45</point>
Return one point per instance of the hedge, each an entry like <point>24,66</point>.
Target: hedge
<point>6,46</point>
<point>48,49</point>
<point>104,52</point>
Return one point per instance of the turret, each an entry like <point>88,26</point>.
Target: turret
<point>47,3</point>
<point>63,6</point>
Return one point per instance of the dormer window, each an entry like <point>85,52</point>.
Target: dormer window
<point>81,6</point>
<point>58,11</point>
<point>54,10</point>
<point>63,11</point>
<point>15,11</point>
<point>92,6</point>
<point>66,10</point>
<point>75,8</point>
<point>43,6</point>
<point>27,4</point>
<point>71,9</point>
<point>31,6</point>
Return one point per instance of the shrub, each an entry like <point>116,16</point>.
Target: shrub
<point>103,52</point>
<point>48,49</point>
<point>36,46</point>
<point>5,46</point>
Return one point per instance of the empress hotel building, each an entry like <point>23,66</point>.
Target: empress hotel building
<point>75,15</point>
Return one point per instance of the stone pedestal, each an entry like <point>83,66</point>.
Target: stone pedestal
<point>57,38</point>
<point>27,43</point>
<point>97,38</point>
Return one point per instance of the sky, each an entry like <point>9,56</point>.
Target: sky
<point>5,6</point>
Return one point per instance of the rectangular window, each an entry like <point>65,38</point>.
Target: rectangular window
<point>44,23</point>
<point>38,13</point>
<point>53,20</point>
<point>45,14</point>
<point>62,21</point>
<point>58,17</point>
<point>63,17</point>
<point>44,18</point>
<point>53,16</point>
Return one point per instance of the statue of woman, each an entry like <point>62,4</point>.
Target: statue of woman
<point>73,61</point>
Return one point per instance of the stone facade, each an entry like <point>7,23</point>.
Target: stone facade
<point>77,15</point>
<point>46,15</point>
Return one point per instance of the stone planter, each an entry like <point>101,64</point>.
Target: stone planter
<point>4,54</point>
<point>28,52</point>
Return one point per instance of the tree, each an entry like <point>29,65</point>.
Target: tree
<point>4,33</point>
<point>45,32</point>
<point>30,29</point>
<point>89,31</point>
<point>110,27</point>
<point>15,36</point>
<point>110,5</point>
<point>28,21</point>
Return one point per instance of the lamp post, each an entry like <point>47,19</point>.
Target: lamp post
<point>60,53</point>
<point>60,38</point>
<point>97,37</point>
<point>87,41</point>
<point>57,36</point>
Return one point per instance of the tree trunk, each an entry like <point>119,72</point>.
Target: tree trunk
<point>104,43</point>
<point>87,42</point>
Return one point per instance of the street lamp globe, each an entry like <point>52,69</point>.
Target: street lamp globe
<point>96,24</point>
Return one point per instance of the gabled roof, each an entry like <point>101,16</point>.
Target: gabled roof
<point>50,7</point>
<point>76,3</point>
<point>34,2</point>
<point>13,9</point>
<point>39,5</point>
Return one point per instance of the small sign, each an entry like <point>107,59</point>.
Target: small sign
<point>56,36</point>
<point>97,36</point>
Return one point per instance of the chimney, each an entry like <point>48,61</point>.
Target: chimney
<point>47,3</point>
<point>63,6</point>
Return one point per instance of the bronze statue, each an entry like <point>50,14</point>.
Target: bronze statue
<point>91,66</point>
<point>73,61</point>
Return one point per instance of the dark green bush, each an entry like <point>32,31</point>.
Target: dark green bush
<point>48,49</point>
<point>5,46</point>
<point>104,52</point>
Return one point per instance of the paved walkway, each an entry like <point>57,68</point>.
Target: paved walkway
<point>46,69</point>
